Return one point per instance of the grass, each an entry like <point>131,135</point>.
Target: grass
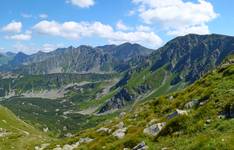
<point>21,136</point>
<point>189,132</point>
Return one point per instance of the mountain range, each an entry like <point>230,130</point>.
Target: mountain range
<point>83,59</point>
<point>126,95</point>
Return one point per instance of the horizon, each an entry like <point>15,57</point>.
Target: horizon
<point>33,26</point>
<point>96,46</point>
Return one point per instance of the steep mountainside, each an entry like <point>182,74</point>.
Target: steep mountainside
<point>198,117</point>
<point>84,59</point>
<point>180,62</point>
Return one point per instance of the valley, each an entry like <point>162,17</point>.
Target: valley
<point>121,96</point>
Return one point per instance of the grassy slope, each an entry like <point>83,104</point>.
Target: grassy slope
<point>22,136</point>
<point>181,132</point>
<point>159,82</point>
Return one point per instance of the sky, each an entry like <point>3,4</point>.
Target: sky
<point>44,25</point>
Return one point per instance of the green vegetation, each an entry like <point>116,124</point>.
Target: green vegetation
<point>206,125</point>
<point>16,134</point>
<point>48,82</point>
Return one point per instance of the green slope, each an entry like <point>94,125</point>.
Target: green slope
<point>16,134</point>
<point>207,125</point>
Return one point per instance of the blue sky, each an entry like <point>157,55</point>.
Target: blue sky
<point>33,25</point>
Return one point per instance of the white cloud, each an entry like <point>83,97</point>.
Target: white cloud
<point>177,16</point>
<point>81,3</point>
<point>143,28</point>
<point>121,26</point>
<point>76,30</point>
<point>43,16</point>
<point>32,48</point>
<point>19,47</point>
<point>200,29</point>
<point>20,37</point>
<point>14,27</point>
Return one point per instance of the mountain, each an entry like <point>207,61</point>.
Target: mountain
<point>84,59</point>
<point>180,93</point>
<point>6,57</point>
<point>198,117</point>
<point>180,62</point>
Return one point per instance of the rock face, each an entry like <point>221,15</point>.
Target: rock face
<point>119,100</point>
<point>141,146</point>
<point>191,104</point>
<point>3,132</point>
<point>106,130</point>
<point>154,129</point>
<point>177,113</point>
<point>228,111</point>
<point>187,55</point>
<point>77,60</point>
<point>121,131</point>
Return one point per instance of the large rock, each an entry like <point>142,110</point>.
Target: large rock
<point>74,145</point>
<point>228,111</point>
<point>154,129</point>
<point>120,125</point>
<point>191,104</point>
<point>106,130</point>
<point>141,146</point>
<point>177,113</point>
<point>120,133</point>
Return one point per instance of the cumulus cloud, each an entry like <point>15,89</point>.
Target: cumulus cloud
<point>121,26</point>
<point>76,30</point>
<point>177,16</point>
<point>13,27</point>
<point>32,48</point>
<point>143,28</point>
<point>20,37</point>
<point>81,3</point>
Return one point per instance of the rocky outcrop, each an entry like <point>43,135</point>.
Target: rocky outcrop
<point>177,113</point>
<point>120,131</point>
<point>105,130</point>
<point>3,133</point>
<point>228,111</point>
<point>153,130</point>
<point>119,100</point>
<point>74,145</point>
<point>191,104</point>
<point>141,146</point>
<point>142,89</point>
